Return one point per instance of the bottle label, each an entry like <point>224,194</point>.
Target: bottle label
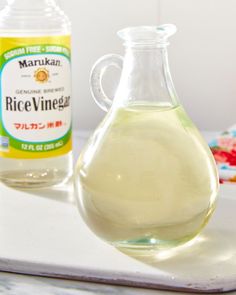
<point>35,97</point>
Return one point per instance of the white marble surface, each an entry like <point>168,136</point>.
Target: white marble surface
<point>12,284</point>
<point>46,236</point>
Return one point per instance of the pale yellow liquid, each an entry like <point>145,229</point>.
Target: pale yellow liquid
<point>36,173</point>
<point>146,178</point>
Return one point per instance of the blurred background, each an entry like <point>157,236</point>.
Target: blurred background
<point>202,53</point>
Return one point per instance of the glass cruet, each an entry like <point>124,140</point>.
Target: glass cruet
<point>146,178</point>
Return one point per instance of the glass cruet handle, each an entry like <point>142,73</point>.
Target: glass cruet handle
<point>97,73</point>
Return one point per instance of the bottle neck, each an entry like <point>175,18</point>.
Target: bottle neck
<point>31,3</point>
<point>146,77</point>
<point>24,18</point>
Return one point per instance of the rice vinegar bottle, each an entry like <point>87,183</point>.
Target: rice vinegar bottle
<point>35,102</point>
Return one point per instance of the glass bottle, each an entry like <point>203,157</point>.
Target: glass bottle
<point>35,120</point>
<point>146,178</point>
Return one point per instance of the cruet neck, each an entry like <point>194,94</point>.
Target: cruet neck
<point>146,76</point>
<point>147,36</point>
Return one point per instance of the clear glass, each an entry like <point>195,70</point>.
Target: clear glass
<point>146,178</point>
<point>24,18</point>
